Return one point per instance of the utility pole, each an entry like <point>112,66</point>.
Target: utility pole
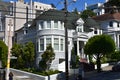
<point>66,41</point>
<point>9,40</point>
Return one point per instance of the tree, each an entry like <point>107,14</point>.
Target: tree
<point>47,57</point>
<point>29,54</point>
<point>114,3</point>
<point>99,46</point>
<point>74,59</point>
<point>17,51</point>
<point>25,55</point>
<point>112,6</point>
<point>3,53</point>
<point>87,13</point>
<point>115,56</point>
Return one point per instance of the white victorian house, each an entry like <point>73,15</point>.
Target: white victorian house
<point>48,28</point>
<point>110,25</point>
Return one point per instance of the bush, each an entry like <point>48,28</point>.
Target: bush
<point>50,72</point>
<point>44,73</point>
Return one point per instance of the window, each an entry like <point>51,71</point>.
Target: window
<point>48,24</point>
<point>118,24</point>
<point>0,28</point>
<point>36,6</point>
<point>25,31</point>
<point>79,29</point>
<point>95,32</point>
<point>56,24</point>
<point>56,43</point>
<point>111,24</point>
<point>61,44</point>
<point>41,26</point>
<point>61,25</point>
<point>48,41</point>
<point>11,10</point>
<point>41,44</point>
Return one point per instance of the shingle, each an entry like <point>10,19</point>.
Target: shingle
<point>108,16</point>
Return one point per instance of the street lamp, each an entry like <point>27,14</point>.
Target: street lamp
<point>66,38</point>
<point>66,41</point>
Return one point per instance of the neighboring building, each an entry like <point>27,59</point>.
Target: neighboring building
<point>13,16</point>
<point>27,12</point>
<point>48,28</point>
<point>110,24</point>
<point>4,21</point>
<point>97,8</point>
<point>4,10</point>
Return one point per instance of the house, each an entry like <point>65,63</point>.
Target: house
<point>48,28</point>
<point>97,8</point>
<point>110,25</point>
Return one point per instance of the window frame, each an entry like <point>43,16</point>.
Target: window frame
<point>56,44</point>
<point>41,44</point>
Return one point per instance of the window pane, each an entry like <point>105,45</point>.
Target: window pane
<point>48,24</point>
<point>41,44</point>
<point>48,41</point>
<point>56,43</point>
<point>111,24</point>
<point>61,25</point>
<point>41,24</point>
<point>118,24</point>
<point>61,44</point>
<point>55,24</point>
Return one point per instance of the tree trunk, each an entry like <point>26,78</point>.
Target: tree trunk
<point>98,63</point>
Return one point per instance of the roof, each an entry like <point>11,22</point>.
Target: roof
<point>108,16</point>
<point>90,23</point>
<point>58,15</point>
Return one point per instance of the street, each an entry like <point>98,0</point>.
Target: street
<point>106,76</point>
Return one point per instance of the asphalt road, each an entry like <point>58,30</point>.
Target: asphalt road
<point>109,75</point>
<point>106,74</point>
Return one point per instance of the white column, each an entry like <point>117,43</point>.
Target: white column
<point>78,53</point>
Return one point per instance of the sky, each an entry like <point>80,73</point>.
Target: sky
<point>79,4</point>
